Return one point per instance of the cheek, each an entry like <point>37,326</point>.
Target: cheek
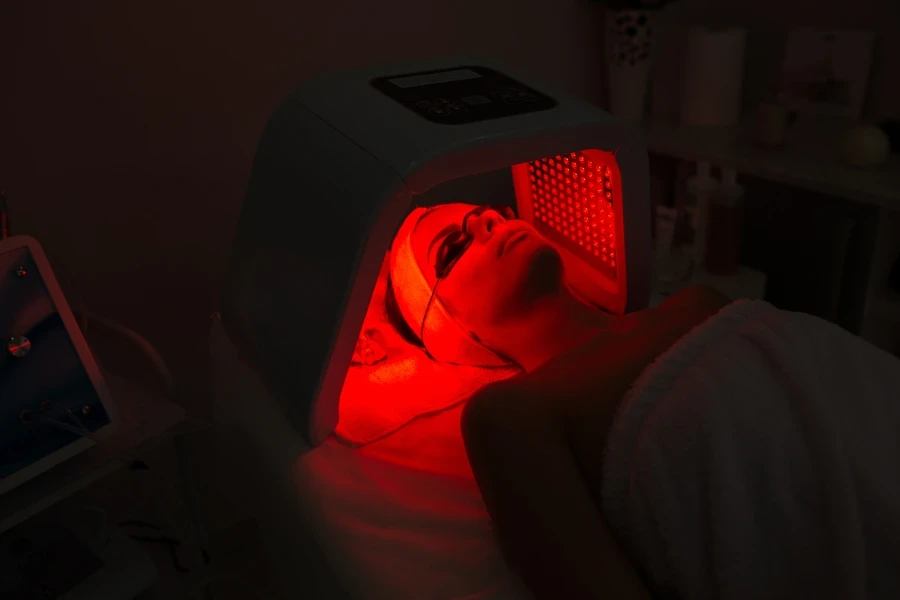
<point>485,281</point>
<point>474,296</point>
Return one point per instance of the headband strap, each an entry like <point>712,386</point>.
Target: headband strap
<point>442,335</point>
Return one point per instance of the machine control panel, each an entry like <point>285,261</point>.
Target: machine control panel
<point>463,95</point>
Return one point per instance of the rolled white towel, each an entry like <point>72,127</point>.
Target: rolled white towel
<point>760,458</point>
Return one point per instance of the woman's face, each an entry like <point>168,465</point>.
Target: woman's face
<point>503,271</point>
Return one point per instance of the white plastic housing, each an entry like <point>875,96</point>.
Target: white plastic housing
<point>335,174</point>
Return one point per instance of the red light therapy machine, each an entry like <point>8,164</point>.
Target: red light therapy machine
<point>346,158</point>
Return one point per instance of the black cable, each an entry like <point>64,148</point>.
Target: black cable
<point>173,543</point>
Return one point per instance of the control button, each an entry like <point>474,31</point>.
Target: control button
<point>425,103</point>
<point>447,110</point>
<point>21,272</point>
<point>18,346</point>
<point>476,100</point>
<point>518,96</point>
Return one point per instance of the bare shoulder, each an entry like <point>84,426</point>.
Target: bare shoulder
<point>502,408</point>
<point>579,391</point>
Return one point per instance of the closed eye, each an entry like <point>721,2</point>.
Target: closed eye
<point>449,251</point>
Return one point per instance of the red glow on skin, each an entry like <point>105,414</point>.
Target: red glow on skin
<point>381,398</point>
<point>573,202</point>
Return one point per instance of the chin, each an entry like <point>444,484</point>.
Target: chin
<point>545,272</point>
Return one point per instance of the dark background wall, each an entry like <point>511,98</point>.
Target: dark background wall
<point>127,129</point>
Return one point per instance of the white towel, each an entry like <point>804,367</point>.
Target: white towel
<point>379,399</point>
<point>760,458</point>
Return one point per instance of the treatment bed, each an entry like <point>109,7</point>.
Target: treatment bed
<point>359,476</point>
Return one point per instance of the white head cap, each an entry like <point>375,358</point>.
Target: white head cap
<point>445,339</point>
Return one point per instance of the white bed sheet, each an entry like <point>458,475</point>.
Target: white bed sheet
<point>400,518</point>
<point>403,517</point>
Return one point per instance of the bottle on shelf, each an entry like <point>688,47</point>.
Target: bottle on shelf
<point>722,245</point>
<point>683,254</point>
<point>701,188</point>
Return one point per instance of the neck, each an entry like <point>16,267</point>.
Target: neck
<point>555,325</point>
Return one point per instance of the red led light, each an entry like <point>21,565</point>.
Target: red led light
<point>567,209</point>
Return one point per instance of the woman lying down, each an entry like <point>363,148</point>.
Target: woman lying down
<point>703,449</point>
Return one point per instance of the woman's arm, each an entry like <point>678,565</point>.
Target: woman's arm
<point>536,447</point>
<point>548,524</point>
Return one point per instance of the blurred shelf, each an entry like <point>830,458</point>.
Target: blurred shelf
<point>812,163</point>
<point>743,284</point>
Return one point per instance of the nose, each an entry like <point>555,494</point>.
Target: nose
<point>485,224</point>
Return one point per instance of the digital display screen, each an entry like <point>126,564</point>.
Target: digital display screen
<point>412,81</point>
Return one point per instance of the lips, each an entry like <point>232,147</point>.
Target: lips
<point>513,237</point>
